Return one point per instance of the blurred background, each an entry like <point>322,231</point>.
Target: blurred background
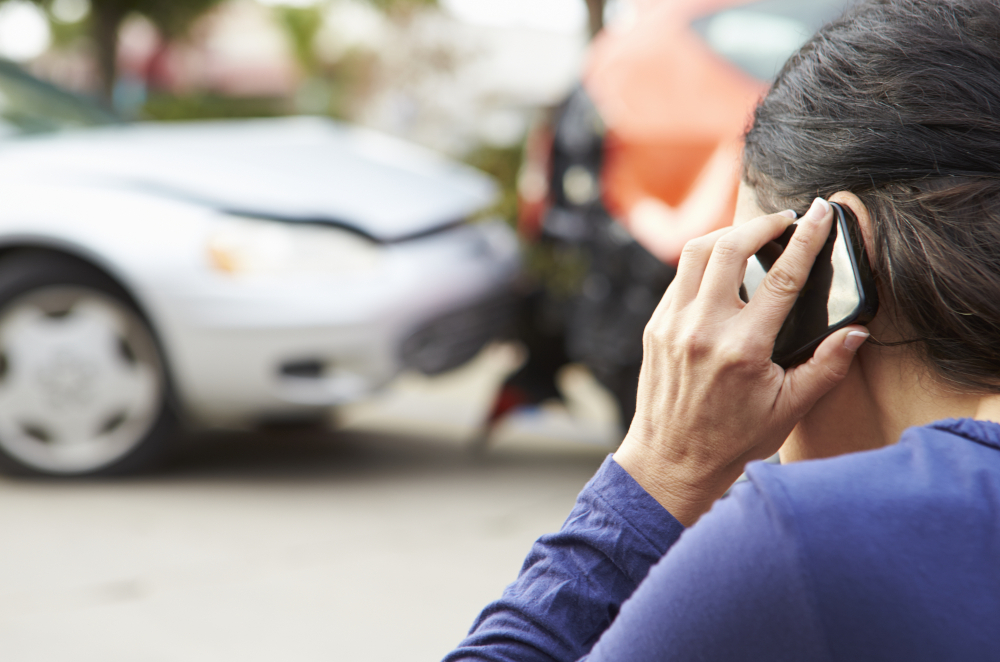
<point>314,314</point>
<point>455,75</point>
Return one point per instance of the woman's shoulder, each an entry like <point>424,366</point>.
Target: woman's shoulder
<point>933,494</point>
<point>861,549</point>
<point>946,463</point>
<point>877,535</point>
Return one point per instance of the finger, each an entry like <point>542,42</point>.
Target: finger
<point>691,267</point>
<point>807,383</point>
<point>728,261</point>
<point>780,288</point>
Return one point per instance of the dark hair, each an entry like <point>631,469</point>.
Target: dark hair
<point>899,103</point>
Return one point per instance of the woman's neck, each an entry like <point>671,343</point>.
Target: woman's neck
<point>887,390</point>
<point>988,409</point>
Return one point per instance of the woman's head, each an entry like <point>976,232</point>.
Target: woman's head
<point>899,103</point>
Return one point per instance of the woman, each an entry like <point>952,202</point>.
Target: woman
<point>886,545</point>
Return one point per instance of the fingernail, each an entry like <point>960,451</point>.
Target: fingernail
<point>854,340</point>
<point>788,213</point>
<point>818,210</point>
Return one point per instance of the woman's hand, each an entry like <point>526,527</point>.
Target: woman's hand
<point>710,399</point>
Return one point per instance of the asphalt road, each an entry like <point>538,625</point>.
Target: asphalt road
<point>377,542</point>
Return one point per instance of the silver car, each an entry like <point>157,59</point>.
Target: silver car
<point>221,273</point>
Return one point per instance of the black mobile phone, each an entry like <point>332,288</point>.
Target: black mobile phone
<point>839,291</point>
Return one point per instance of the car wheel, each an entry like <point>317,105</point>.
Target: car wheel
<point>83,387</point>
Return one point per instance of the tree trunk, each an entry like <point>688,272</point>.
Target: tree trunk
<point>595,15</point>
<point>106,21</point>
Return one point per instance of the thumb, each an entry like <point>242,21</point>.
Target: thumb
<point>807,383</point>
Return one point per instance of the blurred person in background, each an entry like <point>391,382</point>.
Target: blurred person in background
<point>878,538</point>
<point>641,157</point>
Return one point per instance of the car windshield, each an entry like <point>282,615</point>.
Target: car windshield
<point>28,105</point>
<point>758,37</point>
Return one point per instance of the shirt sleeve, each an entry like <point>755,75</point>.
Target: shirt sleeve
<point>573,582</point>
<point>734,587</point>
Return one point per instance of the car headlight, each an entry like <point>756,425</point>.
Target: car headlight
<point>241,245</point>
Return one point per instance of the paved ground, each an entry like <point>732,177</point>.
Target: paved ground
<point>379,542</point>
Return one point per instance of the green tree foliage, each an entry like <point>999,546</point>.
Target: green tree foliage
<point>302,24</point>
<point>503,164</point>
<point>334,88</point>
<point>397,5</point>
<point>174,17</point>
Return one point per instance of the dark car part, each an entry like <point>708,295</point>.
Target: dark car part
<point>597,288</point>
<point>622,288</point>
<point>456,337</point>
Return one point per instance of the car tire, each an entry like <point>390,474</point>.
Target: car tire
<point>83,383</point>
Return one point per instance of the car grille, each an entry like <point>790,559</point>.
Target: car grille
<point>452,339</point>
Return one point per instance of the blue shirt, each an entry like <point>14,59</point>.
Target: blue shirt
<point>892,554</point>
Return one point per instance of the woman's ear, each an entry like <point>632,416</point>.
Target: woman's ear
<point>848,199</point>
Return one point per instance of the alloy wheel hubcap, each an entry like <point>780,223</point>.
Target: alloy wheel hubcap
<point>80,380</point>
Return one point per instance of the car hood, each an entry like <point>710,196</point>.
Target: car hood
<point>295,169</point>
